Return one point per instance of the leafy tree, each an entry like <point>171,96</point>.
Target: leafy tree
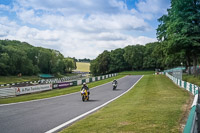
<point>94,67</point>
<point>70,64</point>
<point>150,61</point>
<point>100,65</point>
<point>134,56</point>
<point>117,62</point>
<point>4,67</point>
<point>180,29</point>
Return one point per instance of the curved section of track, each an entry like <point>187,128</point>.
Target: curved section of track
<point>43,115</point>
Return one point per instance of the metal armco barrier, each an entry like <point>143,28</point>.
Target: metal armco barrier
<point>55,80</point>
<point>59,80</point>
<point>193,121</point>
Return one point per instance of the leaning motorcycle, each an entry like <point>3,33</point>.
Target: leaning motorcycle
<point>114,86</point>
<point>84,95</point>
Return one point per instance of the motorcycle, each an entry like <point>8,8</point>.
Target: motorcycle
<point>114,86</point>
<point>84,95</point>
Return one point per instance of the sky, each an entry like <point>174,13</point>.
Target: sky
<point>81,28</point>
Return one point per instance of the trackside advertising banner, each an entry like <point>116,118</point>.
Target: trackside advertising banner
<point>32,89</point>
<point>62,85</point>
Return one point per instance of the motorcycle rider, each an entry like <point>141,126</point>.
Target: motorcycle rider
<point>114,81</point>
<point>86,87</point>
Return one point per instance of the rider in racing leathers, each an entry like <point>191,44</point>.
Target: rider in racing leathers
<point>86,87</point>
<point>114,81</point>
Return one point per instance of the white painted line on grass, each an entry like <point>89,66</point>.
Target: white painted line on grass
<point>83,115</point>
<point>52,97</point>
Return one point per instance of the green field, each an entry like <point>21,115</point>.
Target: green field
<point>155,104</point>
<point>83,66</point>
<point>15,79</point>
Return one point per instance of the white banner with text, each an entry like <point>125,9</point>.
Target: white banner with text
<point>32,89</point>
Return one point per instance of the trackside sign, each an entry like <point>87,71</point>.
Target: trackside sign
<point>62,85</point>
<point>32,89</point>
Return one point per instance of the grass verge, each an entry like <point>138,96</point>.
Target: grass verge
<point>137,72</point>
<point>155,104</point>
<point>55,92</point>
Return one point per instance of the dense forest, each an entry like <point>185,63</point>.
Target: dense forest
<point>20,57</point>
<point>178,44</point>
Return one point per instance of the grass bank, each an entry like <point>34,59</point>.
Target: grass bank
<point>54,92</point>
<point>192,79</point>
<point>155,104</point>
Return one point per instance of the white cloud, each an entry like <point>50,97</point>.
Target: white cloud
<point>75,7</point>
<point>107,36</point>
<point>4,7</point>
<point>93,23</point>
<point>73,43</point>
<point>81,29</point>
<point>153,7</point>
<point>4,30</point>
<point>7,27</point>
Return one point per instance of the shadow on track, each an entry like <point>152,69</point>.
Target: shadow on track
<point>117,90</point>
<point>92,100</point>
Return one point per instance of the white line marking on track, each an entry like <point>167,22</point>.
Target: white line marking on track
<point>83,115</point>
<point>51,97</point>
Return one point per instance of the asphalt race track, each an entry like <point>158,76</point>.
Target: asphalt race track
<point>43,115</point>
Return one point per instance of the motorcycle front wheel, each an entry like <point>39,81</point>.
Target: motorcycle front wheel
<point>83,98</point>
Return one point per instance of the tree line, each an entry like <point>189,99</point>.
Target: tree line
<point>132,57</point>
<point>178,44</point>
<point>83,60</point>
<point>20,57</point>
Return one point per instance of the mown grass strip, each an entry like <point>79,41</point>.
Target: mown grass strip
<point>54,92</point>
<point>15,79</point>
<point>153,105</point>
